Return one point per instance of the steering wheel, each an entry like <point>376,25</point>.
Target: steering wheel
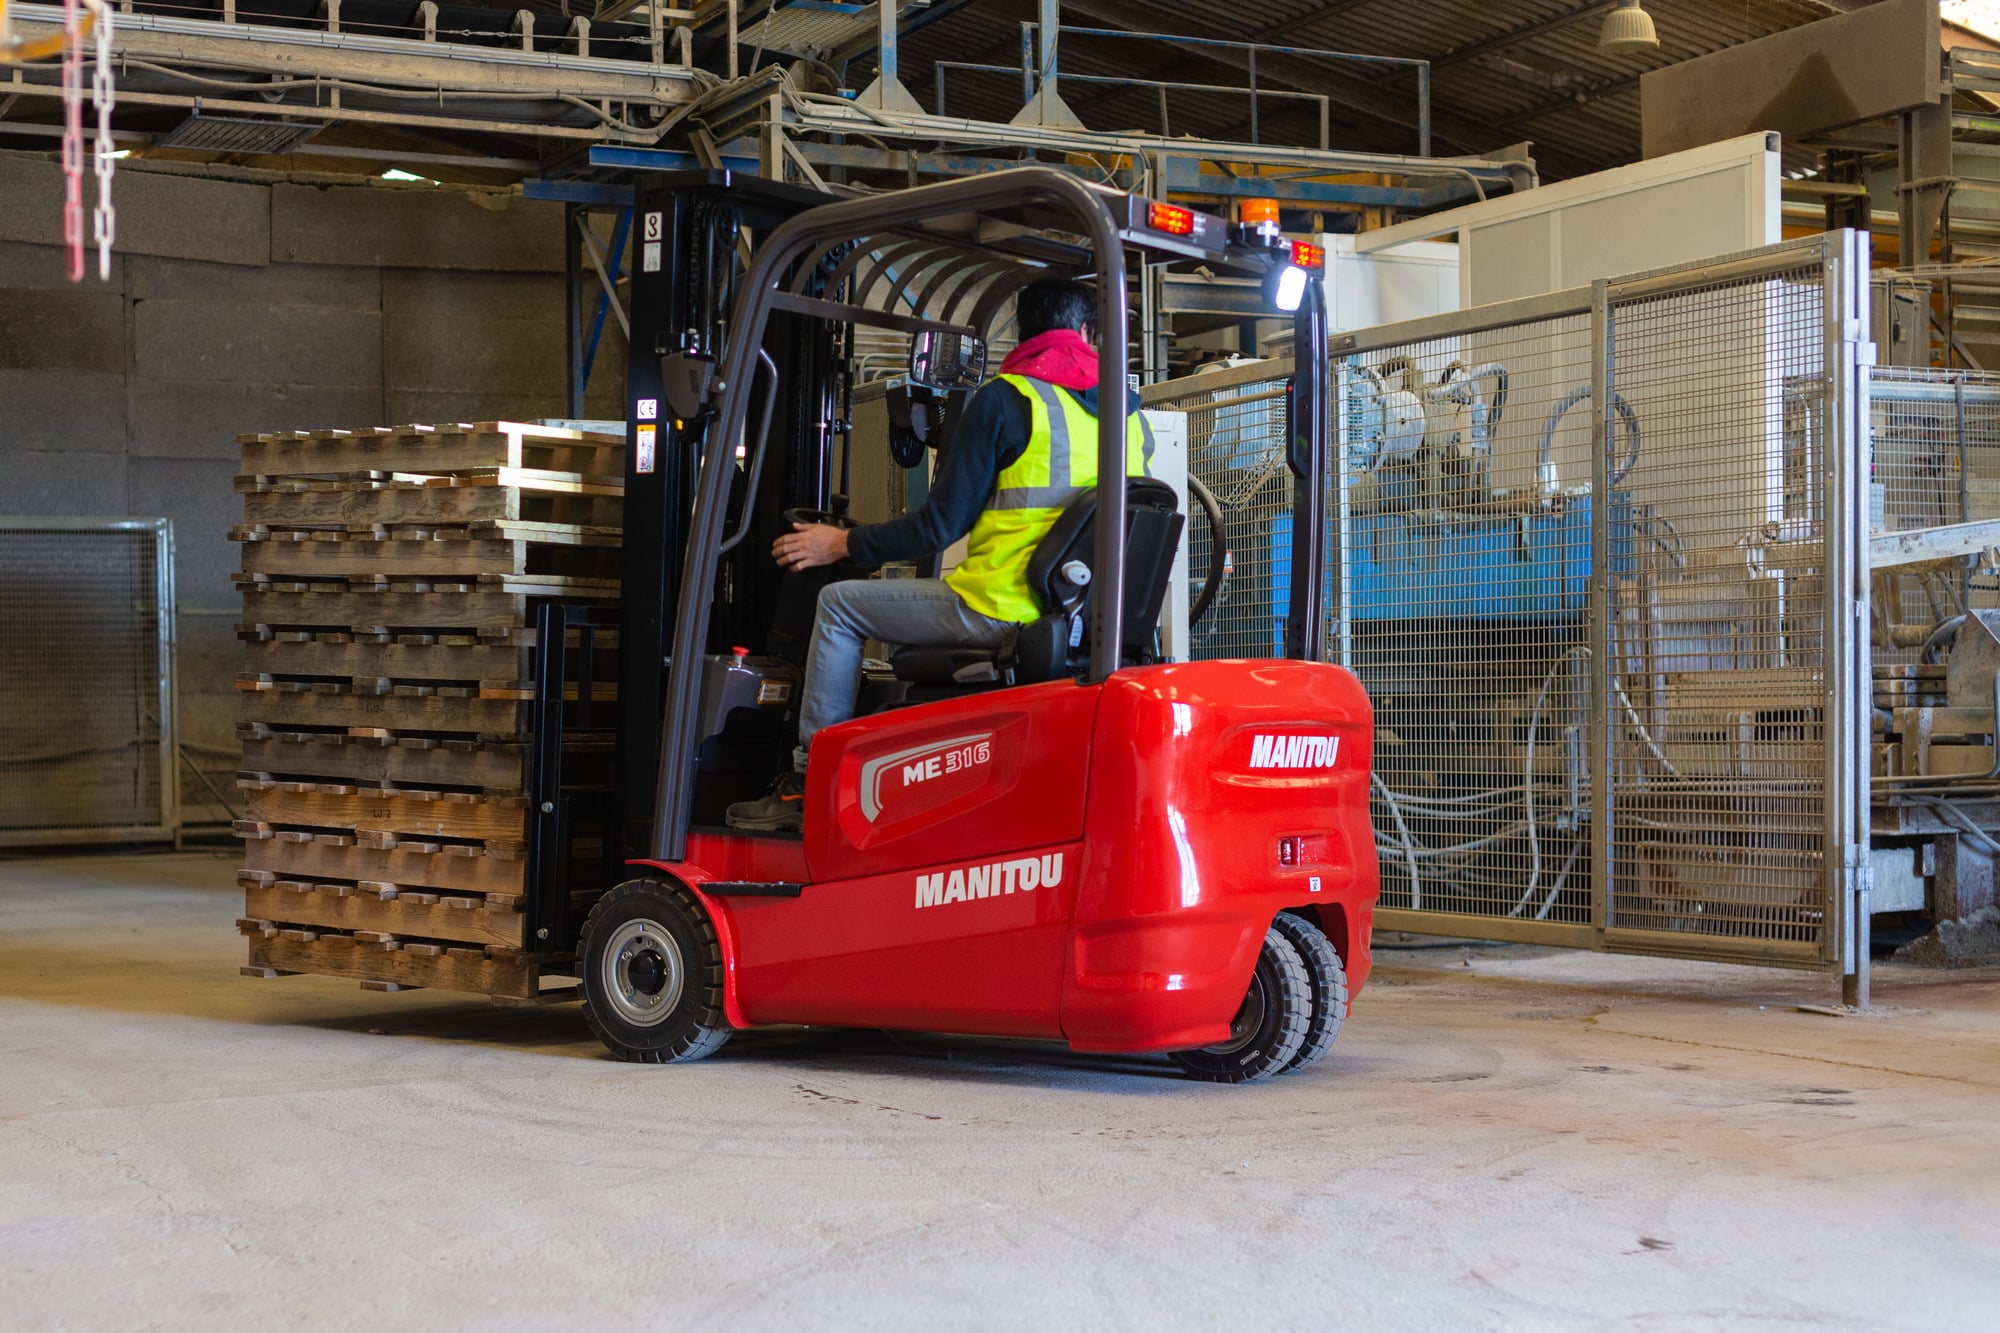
<point>1218,552</point>
<point>820,516</point>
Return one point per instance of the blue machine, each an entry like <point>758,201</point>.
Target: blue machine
<point>1413,566</point>
<point>1446,565</point>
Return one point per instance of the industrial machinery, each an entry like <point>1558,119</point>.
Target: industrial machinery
<point>1083,842</point>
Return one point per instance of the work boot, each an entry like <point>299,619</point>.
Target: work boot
<point>783,810</point>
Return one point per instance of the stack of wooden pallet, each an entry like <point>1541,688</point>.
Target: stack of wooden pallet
<point>390,580</point>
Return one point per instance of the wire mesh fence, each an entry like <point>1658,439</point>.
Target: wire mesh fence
<point>1717,680</point>
<point>1934,461</point>
<point>86,681</point>
<point>1579,555</point>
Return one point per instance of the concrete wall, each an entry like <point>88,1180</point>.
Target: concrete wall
<point>258,303</point>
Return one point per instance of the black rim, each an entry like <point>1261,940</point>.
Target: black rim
<point>1248,1025</point>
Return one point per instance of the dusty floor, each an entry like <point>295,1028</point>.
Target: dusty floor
<point>1501,1139</point>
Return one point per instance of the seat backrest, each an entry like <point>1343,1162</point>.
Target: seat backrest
<point>1153,523</point>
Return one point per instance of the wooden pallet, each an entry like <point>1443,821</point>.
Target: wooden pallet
<point>464,658</point>
<point>493,615</point>
<point>470,718</point>
<point>445,448</point>
<point>503,495</point>
<point>492,767</point>
<point>394,964</point>
<point>371,906</point>
<point>339,857</point>
<point>499,823</point>
<point>576,554</point>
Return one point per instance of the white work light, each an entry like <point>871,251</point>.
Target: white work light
<point>1285,287</point>
<point>1628,30</point>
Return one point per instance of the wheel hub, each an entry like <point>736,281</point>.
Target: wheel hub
<point>1249,1019</point>
<point>642,973</point>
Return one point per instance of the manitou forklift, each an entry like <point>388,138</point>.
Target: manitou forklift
<point>1067,838</point>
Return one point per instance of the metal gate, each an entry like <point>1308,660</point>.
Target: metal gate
<point>86,681</point>
<point>1599,564</point>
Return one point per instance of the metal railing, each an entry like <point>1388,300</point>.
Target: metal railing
<point>1034,75</point>
<point>1604,607</point>
<point>87,738</point>
<point>1159,86</point>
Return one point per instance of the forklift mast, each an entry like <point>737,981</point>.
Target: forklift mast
<point>691,229</point>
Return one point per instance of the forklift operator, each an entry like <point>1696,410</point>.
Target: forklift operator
<point>1000,484</point>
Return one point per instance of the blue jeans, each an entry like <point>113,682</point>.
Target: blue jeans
<point>895,611</point>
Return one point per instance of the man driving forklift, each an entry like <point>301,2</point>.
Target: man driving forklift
<point>1024,448</point>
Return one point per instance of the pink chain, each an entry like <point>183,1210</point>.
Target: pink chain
<point>72,140</point>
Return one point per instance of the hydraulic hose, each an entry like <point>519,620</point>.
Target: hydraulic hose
<point>1626,417</point>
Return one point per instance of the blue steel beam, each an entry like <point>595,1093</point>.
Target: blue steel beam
<point>619,233</point>
<point>579,192</point>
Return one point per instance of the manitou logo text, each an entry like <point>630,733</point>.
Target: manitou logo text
<point>1293,751</point>
<point>991,880</point>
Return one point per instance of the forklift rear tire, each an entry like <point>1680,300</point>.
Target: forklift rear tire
<point>1270,1027</point>
<point>1329,986</point>
<point>652,974</point>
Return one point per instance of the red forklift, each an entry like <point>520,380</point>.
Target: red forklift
<point>1069,838</point>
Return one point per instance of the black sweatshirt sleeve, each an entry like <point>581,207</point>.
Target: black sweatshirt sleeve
<point>992,434</point>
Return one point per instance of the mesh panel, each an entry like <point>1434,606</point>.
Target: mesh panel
<point>1717,684</point>
<point>1463,589</point>
<point>1236,447</point>
<point>1935,460</point>
<point>82,659</point>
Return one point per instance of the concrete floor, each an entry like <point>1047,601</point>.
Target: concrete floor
<point>1501,1139</point>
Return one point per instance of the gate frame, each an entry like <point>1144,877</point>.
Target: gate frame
<point>1847,353</point>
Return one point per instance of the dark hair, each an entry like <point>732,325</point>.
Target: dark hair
<point>1054,303</point>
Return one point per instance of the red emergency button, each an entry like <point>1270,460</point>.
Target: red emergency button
<point>740,653</point>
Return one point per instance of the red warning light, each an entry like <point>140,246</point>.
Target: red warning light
<point>1307,255</point>
<point>1170,218</point>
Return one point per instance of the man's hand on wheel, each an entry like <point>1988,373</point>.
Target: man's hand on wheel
<point>808,545</point>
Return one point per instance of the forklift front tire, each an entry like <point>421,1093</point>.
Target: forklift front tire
<point>1271,1024</point>
<point>652,974</point>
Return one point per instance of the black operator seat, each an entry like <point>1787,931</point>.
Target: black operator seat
<point>1059,577</point>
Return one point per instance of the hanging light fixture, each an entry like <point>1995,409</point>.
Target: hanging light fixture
<point>1628,30</point>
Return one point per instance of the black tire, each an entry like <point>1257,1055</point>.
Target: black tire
<point>652,974</point>
<point>1269,1027</point>
<point>1329,986</point>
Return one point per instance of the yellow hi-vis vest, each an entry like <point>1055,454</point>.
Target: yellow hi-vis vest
<point>1058,465</point>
